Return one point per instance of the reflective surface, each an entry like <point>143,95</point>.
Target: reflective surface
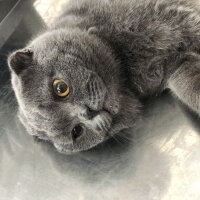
<point>157,160</point>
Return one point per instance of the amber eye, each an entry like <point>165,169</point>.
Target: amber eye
<point>60,88</point>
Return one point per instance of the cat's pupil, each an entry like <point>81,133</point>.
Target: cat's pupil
<point>61,87</point>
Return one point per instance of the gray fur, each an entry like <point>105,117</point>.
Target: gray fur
<point>112,54</point>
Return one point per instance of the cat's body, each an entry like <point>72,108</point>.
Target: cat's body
<point>113,54</point>
<point>147,37</point>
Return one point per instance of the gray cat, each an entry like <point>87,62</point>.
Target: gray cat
<point>84,79</point>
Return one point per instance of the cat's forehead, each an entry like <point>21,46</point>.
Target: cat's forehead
<point>57,62</point>
<point>56,42</point>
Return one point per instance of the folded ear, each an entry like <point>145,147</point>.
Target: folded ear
<point>92,30</point>
<point>20,60</point>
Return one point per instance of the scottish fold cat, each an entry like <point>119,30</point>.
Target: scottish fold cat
<point>84,78</point>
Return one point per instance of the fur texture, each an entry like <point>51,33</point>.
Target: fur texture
<point>112,54</point>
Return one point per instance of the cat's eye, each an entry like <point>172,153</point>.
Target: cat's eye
<point>77,131</point>
<point>60,88</point>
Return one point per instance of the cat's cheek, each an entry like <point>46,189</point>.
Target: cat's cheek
<point>100,124</point>
<point>127,116</point>
<point>25,123</point>
<point>103,122</point>
<point>112,104</point>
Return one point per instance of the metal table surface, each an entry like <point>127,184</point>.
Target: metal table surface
<point>157,160</point>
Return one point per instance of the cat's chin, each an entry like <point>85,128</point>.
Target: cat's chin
<point>69,149</point>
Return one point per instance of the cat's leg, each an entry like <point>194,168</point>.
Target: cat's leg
<point>185,81</point>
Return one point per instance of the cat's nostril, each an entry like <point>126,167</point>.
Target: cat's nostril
<point>90,110</point>
<point>77,131</point>
<point>91,113</point>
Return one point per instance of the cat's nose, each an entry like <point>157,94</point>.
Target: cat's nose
<point>90,113</point>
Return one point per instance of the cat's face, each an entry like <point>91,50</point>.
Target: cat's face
<point>67,87</point>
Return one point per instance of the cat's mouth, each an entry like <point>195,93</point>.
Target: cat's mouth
<point>65,144</point>
<point>70,148</point>
<point>95,132</point>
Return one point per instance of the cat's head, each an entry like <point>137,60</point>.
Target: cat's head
<point>68,88</point>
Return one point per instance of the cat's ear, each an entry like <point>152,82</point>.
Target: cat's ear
<point>92,30</point>
<point>20,60</point>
